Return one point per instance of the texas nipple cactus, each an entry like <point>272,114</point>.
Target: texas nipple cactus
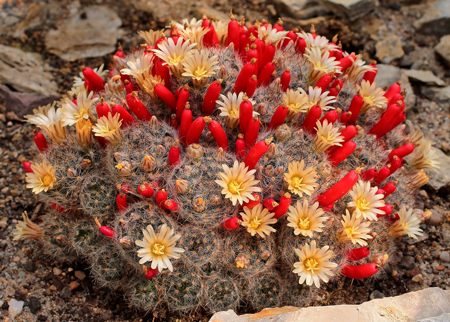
<point>227,165</point>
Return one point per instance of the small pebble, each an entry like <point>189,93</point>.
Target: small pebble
<point>80,275</point>
<point>15,308</point>
<point>418,278</point>
<point>57,271</point>
<point>74,285</point>
<point>440,268</point>
<point>445,256</point>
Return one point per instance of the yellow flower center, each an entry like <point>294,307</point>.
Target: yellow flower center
<point>200,71</point>
<point>295,106</point>
<point>158,249</point>
<point>369,99</point>
<point>235,187</point>
<point>234,112</point>
<point>119,166</point>
<point>350,231</point>
<point>304,223</point>
<point>362,204</point>
<point>240,264</point>
<point>47,180</point>
<point>405,226</point>
<point>255,223</point>
<point>81,114</point>
<point>329,138</point>
<point>318,66</point>
<point>296,182</point>
<point>175,59</point>
<point>311,265</point>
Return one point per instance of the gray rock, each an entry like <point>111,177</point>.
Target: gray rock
<point>441,318</point>
<point>34,304</point>
<point>441,177</point>
<point>438,95</point>
<point>388,74</point>
<point>25,72</point>
<point>445,256</point>
<point>436,217</point>
<point>57,271</point>
<point>80,275</point>
<point>428,303</point>
<point>407,262</point>
<point>351,9</point>
<point>65,292</point>
<point>443,49</point>
<point>300,9</point>
<point>436,18</point>
<point>15,308</point>
<point>445,231</point>
<point>423,76</point>
<point>90,32</point>
<point>389,49</point>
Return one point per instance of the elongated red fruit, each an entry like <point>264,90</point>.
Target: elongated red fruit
<point>278,117</point>
<point>381,176</point>
<point>170,205</point>
<point>145,190</point>
<point>285,79</point>
<point>217,132</point>
<point>231,223</point>
<point>389,188</point>
<point>183,97</point>
<point>251,86</point>
<point>161,196</point>
<point>256,153</point>
<point>396,164</point>
<point>384,125</point>
<point>240,147</point>
<point>95,81</point>
<point>347,134</point>
<point>291,36</point>
<point>252,131</point>
<point>252,203</point>
<point>345,117</point>
<point>393,89</point>
<point>399,120</point>
<point>102,109</point>
<point>355,108</point>
<point>358,253</point>
<point>368,174</point>
<point>163,93</point>
<point>244,75</point>
<point>27,167</point>
<point>402,151</point>
<point>359,271</point>
<point>339,189</point>
<point>342,153</point>
<point>137,107</point>
<point>126,118</point>
<point>330,116</point>
<point>105,230</point>
<point>173,121</point>
<point>265,74</point>
<point>300,46</point>
<point>387,210</point>
<point>245,114</point>
<point>174,153</point>
<point>186,121</point>
<point>346,62</point>
<point>324,82</point>
<point>270,204</point>
<point>283,206</point>
<point>211,96</point>
<point>371,74</point>
<point>233,33</point>
<point>311,119</point>
<point>41,142</point>
<point>195,131</point>
<point>268,55</point>
<point>163,71</point>
<point>121,201</point>
<point>129,87</point>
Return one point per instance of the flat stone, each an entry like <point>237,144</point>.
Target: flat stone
<point>351,9</point>
<point>441,318</point>
<point>423,76</point>
<point>436,216</point>
<point>388,74</point>
<point>389,49</point>
<point>425,304</point>
<point>438,95</point>
<point>57,271</point>
<point>80,275</point>
<point>299,9</point>
<point>435,19</point>
<point>444,256</point>
<point>15,308</point>
<point>441,177</point>
<point>74,285</point>
<point>25,72</point>
<point>443,49</point>
<point>89,32</point>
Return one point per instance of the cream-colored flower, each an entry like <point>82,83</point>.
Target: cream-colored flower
<point>238,183</point>
<point>415,133</point>
<point>423,156</point>
<point>320,64</point>
<point>185,23</point>
<point>296,101</point>
<point>150,83</point>
<point>140,68</point>
<point>72,113</point>
<point>372,95</point>
<point>327,136</point>
<point>194,35</point>
<point>27,229</point>
<point>258,220</point>
<point>174,54</point>
<point>200,67</point>
<point>159,248</point>
<point>78,81</point>
<point>301,180</point>
<point>419,179</point>
<point>314,265</point>
<point>109,128</point>
<point>221,28</point>
<point>49,119</point>
<point>306,219</point>
<point>366,201</point>
<point>320,42</point>
<point>357,69</point>
<point>354,230</point>
<point>42,178</point>
<point>407,224</point>
<point>84,133</point>
<point>150,37</point>
<point>316,97</point>
<point>271,35</point>
<point>229,107</point>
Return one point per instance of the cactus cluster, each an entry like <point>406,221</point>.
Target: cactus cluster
<point>225,165</point>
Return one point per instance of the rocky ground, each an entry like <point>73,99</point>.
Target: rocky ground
<point>44,43</point>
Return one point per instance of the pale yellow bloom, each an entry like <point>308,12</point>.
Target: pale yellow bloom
<point>357,70</point>
<point>194,35</point>
<point>314,265</point>
<point>301,180</point>
<point>150,37</point>
<point>187,23</point>
<point>27,229</point>
<point>271,35</point>
<point>306,219</point>
<point>159,248</point>
<point>199,67</point>
<point>109,128</point>
<point>320,64</point>
<point>84,133</point>
<point>140,68</point>
<point>238,183</point>
<point>221,28</point>
<point>49,119</point>
<point>316,97</point>
<point>407,224</point>
<point>365,201</point>
<point>296,101</point>
<point>229,107</point>
<point>174,54</point>
<point>72,113</point>
<point>354,230</point>
<point>258,220</point>
<point>327,136</point>
<point>42,178</point>
<point>372,95</point>
<point>423,156</point>
<point>320,42</point>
